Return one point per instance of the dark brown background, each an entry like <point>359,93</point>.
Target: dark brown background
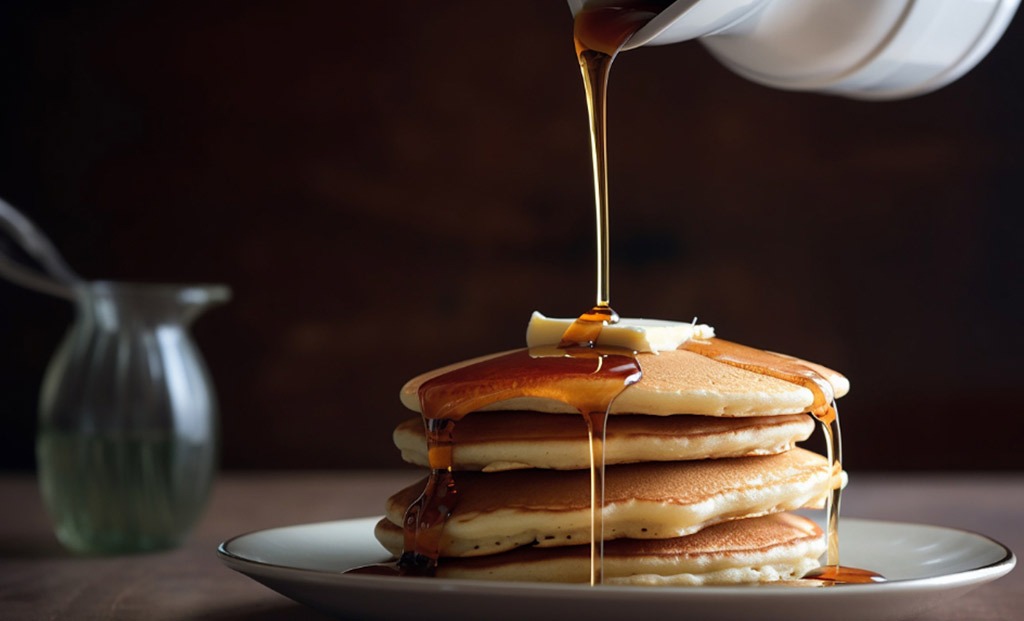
<point>392,186</point>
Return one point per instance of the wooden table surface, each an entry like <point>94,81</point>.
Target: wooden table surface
<point>39,580</point>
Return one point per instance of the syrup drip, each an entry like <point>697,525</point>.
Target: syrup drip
<point>824,409</point>
<point>582,335</point>
<point>425,519</point>
<point>596,425</point>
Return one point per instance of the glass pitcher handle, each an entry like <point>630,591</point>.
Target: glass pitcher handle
<point>58,280</point>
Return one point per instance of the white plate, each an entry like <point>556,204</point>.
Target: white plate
<point>926,566</point>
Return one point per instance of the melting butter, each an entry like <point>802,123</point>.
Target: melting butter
<point>639,335</point>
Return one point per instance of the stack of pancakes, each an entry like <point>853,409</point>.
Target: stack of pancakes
<point>701,468</point>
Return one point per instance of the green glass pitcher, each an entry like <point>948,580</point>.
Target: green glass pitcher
<point>126,448</point>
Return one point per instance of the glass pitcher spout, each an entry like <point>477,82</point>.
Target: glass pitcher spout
<point>114,302</point>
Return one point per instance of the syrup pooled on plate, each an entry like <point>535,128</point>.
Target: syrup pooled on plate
<point>837,574</point>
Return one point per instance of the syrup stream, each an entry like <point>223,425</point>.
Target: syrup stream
<point>584,333</point>
<point>599,32</point>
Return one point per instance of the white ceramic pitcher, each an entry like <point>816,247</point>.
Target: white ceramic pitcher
<point>865,49</point>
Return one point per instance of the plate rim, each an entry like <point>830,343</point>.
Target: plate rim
<point>962,578</point>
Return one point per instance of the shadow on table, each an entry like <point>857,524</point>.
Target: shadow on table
<point>283,611</point>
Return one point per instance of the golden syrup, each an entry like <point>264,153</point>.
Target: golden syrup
<point>599,32</point>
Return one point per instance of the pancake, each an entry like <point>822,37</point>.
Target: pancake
<point>678,382</point>
<point>497,441</point>
<point>496,512</point>
<point>764,549</point>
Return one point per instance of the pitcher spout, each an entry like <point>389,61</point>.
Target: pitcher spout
<point>683,20</point>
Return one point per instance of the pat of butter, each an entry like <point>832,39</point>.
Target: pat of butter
<point>640,335</point>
